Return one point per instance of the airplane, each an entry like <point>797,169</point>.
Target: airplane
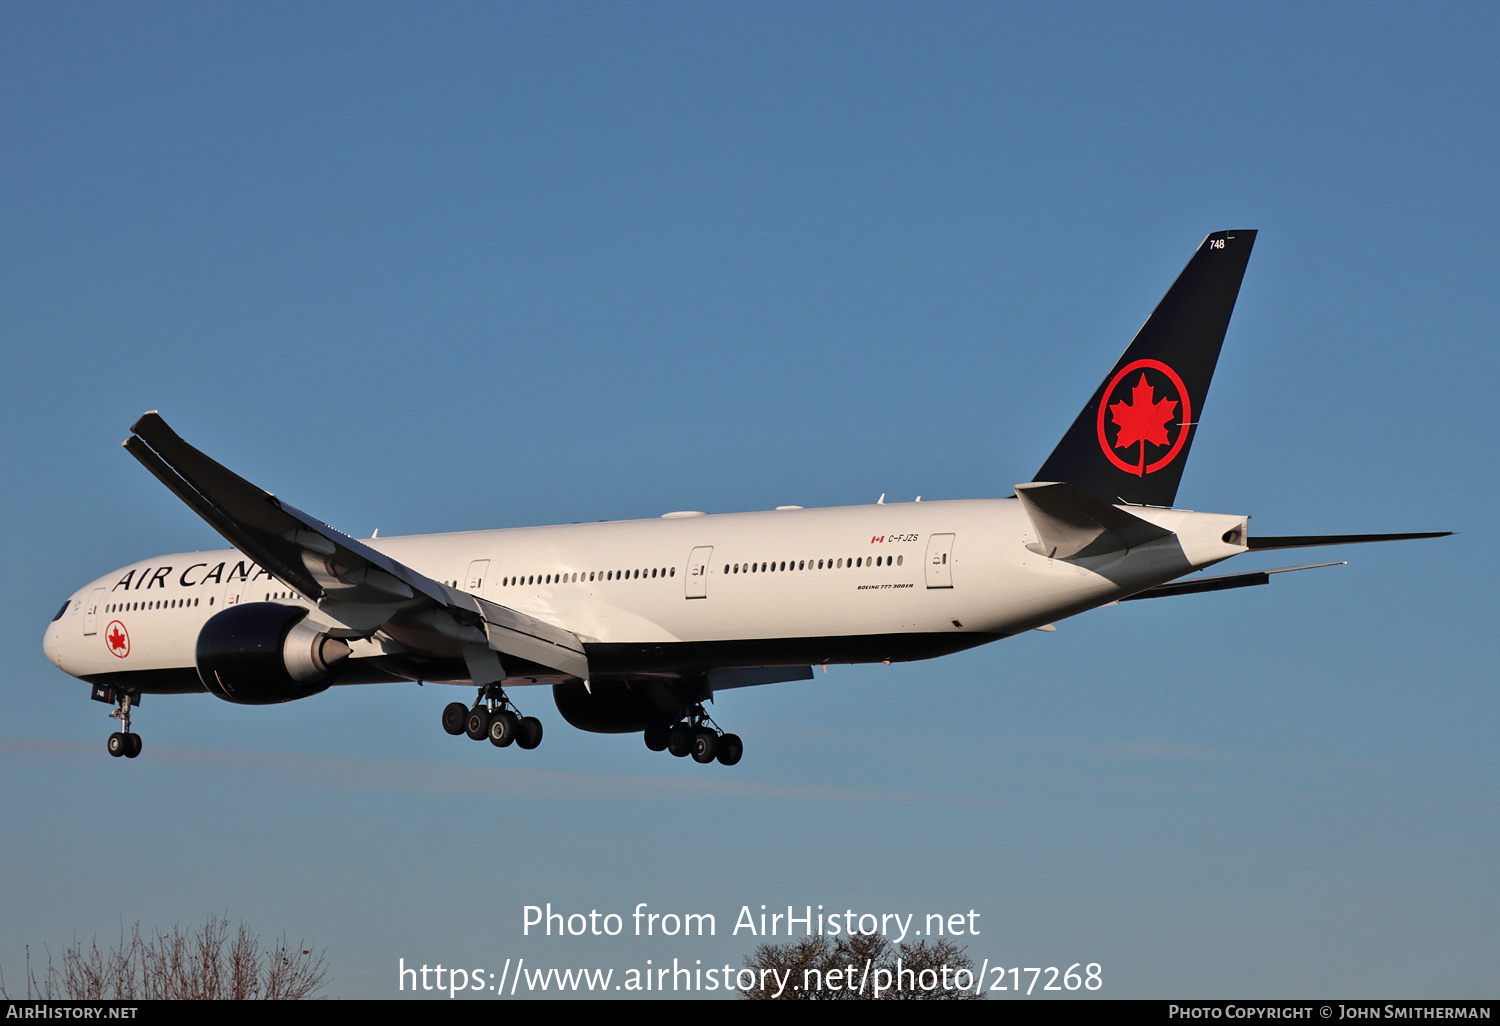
<point>635,625</point>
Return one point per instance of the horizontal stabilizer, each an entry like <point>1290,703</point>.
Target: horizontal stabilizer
<point>1304,541</point>
<point>1070,522</point>
<point>1223,583</point>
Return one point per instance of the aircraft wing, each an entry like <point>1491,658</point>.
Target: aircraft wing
<point>364,589</point>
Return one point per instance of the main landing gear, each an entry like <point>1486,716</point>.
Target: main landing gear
<point>493,716</point>
<point>123,742</point>
<point>697,735</point>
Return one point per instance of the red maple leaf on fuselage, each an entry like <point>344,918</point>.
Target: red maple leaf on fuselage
<point>1142,419</point>
<point>116,639</point>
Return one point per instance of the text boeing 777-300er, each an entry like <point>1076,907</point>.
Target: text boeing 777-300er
<point>636,624</point>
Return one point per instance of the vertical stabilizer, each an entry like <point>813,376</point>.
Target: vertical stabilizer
<point>1131,441</point>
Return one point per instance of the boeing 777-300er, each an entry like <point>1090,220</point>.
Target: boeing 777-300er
<point>636,624</point>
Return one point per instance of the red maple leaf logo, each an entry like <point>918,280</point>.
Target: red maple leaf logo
<point>1143,419</point>
<point>116,638</point>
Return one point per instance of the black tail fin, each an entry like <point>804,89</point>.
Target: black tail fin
<point>1131,441</point>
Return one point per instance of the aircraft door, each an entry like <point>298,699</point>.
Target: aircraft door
<point>91,612</point>
<point>939,561</point>
<point>478,570</point>
<point>697,571</point>
<point>232,592</point>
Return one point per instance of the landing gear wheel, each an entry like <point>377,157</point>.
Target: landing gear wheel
<point>730,749</point>
<point>680,739</point>
<point>656,738</point>
<point>503,729</point>
<point>705,745</point>
<point>531,733</point>
<point>454,715</point>
<point>122,741</point>
<point>477,724</point>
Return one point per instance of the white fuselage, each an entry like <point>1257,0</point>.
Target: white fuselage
<point>793,586</point>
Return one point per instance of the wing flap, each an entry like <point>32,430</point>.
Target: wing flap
<point>511,632</point>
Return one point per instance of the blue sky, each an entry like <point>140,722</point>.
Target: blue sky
<point>443,268</point>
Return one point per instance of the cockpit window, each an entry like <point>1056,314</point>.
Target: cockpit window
<point>63,610</point>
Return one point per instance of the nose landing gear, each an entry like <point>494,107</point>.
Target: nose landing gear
<point>495,717</point>
<point>696,735</point>
<point>121,742</point>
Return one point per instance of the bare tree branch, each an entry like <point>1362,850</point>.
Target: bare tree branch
<point>854,968</point>
<point>199,963</point>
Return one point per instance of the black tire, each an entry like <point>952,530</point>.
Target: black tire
<point>531,733</point>
<point>454,715</point>
<point>477,724</point>
<point>730,749</point>
<point>680,739</point>
<point>656,738</point>
<point>117,744</point>
<point>134,741</point>
<point>705,746</point>
<point>503,729</point>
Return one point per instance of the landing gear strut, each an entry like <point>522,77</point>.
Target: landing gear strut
<point>123,742</point>
<point>493,716</point>
<point>696,735</point>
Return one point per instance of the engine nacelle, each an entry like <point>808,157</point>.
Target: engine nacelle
<point>619,707</point>
<point>262,653</point>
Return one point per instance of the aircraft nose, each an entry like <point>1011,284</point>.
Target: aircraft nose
<point>50,646</point>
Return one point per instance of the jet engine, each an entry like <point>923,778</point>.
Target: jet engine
<point>262,653</point>
<point>619,706</point>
